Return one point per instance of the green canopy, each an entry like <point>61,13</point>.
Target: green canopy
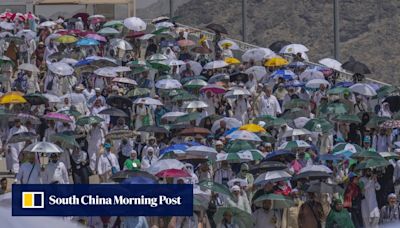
<point>188,117</point>
<point>238,145</point>
<point>338,90</point>
<point>347,118</point>
<point>240,217</point>
<point>372,163</point>
<point>215,187</point>
<point>318,125</point>
<point>278,201</point>
<point>89,120</point>
<point>297,103</point>
<point>195,84</point>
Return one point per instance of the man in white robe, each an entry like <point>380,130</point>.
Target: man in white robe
<point>18,128</point>
<point>107,164</point>
<point>266,217</point>
<point>269,105</point>
<point>12,161</point>
<point>241,108</point>
<point>55,171</point>
<point>149,158</point>
<point>95,139</point>
<point>369,205</point>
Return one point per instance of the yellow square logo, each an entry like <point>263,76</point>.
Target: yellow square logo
<point>32,199</point>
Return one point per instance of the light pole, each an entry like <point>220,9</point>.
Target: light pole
<point>244,20</point>
<point>336,28</point>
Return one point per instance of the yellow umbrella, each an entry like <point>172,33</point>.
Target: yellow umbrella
<point>276,62</point>
<point>231,60</point>
<point>12,98</point>
<point>252,128</point>
<point>66,39</point>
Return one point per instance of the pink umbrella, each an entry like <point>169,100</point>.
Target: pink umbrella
<point>185,43</point>
<point>96,37</point>
<point>30,16</point>
<point>18,16</point>
<point>173,173</point>
<point>213,88</point>
<point>57,117</point>
<point>97,20</point>
<point>6,15</point>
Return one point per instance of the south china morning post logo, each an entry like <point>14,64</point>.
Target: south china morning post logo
<point>33,200</point>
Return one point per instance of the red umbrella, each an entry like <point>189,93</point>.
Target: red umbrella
<point>84,16</point>
<point>213,88</point>
<point>173,173</point>
<point>133,34</point>
<point>18,16</point>
<point>185,43</point>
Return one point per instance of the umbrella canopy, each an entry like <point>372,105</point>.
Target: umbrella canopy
<point>108,31</point>
<point>87,42</point>
<point>237,145</point>
<point>276,62</point>
<point>293,49</point>
<point>278,154</point>
<point>215,187</point>
<point>294,145</point>
<point>119,102</point>
<point>173,173</point>
<point>155,129</point>
<point>363,89</point>
<point>57,117</point>
<point>318,125</point>
<point>372,164</point>
<point>67,139</point>
<point>194,131</point>
<point>229,44</point>
<point>257,54</point>
<point>321,187</point>
<point>278,201</point>
<point>172,116</point>
<point>258,71</point>
<point>356,67</point>
<point>22,137</point>
<point>168,84</point>
<point>118,134</point>
<point>28,67</point>
<point>126,174</point>
<point>186,43</point>
<point>148,101</point>
<point>230,123</point>
<point>66,39</point>
<point>195,84</point>
<point>390,124</point>
<point>125,81</point>
<point>234,93</point>
<point>285,74</point>
<point>96,37</point>
<point>252,128</point>
<point>12,98</point>
<point>135,24</point>
<point>278,45</point>
<point>346,147</point>
<point>165,164</point>
<point>36,99</point>
<point>216,89</point>
<point>311,74</point>
<point>296,132</point>
<point>108,72</point>
<point>121,44</point>
<point>113,23</point>
<point>315,83</point>
<point>271,177</point>
<point>188,117</point>
<point>113,112</point>
<point>331,63</point>
<point>215,65</point>
<point>244,135</point>
<point>88,120</point>
<point>43,147</point>
<point>240,217</point>
<point>196,104</point>
<point>347,118</point>
<point>202,150</point>
<point>60,68</point>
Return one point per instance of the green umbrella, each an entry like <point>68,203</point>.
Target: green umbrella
<point>267,137</point>
<point>195,84</point>
<point>294,145</point>
<point>264,118</point>
<point>366,154</point>
<point>347,146</point>
<point>138,63</point>
<point>89,120</point>
<point>187,79</point>
<point>238,145</point>
<point>5,60</point>
<point>175,92</point>
<point>372,163</point>
<point>375,121</point>
<point>186,96</point>
<point>160,31</point>
<point>240,217</point>
<point>113,23</point>
<point>138,92</point>
<point>295,113</point>
<point>334,108</point>
<point>108,31</point>
<point>396,116</point>
<point>215,187</point>
<point>139,70</point>
<point>275,123</point>
<point>188,117</point>
<point>71,112</point>
<point>347,118</point>
<point>22,137</point>
<point>279,201</point>
<point>67,140</point>
<point>241,156</point>
<point>200,202</point>
<point>318,125</point>
<point>386,90</point>
<point>297,103</point>
<point>338,90</point>
<point>36,99</point>
<point>160,66</point>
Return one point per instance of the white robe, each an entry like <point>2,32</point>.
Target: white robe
<point>262,218</point>
<point>55,172</point>
<point>240,110</point>
<point>369,205</point>
<point>106,161</point>
<point>95,139</point>
<point>12,161</point>
<point>25,176</point>
<point>269,106</point>
<point>147,161</point>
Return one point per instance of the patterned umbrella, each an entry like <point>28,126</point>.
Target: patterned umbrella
<point>391,124</point>
<point>271,177</point>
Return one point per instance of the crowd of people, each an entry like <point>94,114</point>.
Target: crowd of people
<point>266,138</point>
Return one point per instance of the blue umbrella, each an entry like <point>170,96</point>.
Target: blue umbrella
<point>175,147</point>
<point>139,180</point>
<point>285,74</point>
<point>277,153</point>
<point>193,143</point>
<point>344,84</point>
<point>83,62</point>
<point>87,42</point>
<point>230,131</point>
<point>296,64</point>
<point>294,83</point>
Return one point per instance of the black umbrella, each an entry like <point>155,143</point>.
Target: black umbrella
<point>356,66</point>
<point>125,174</point>
<point>394,103</point>
<point>119,102</point>
<point>312,175</point>
<point>278,45</point>
<point>321,187</point>
<point>266,166</point>
<point>22,137</point>
<point>239,76</point>
<point>36,99</point>
<point>113,112</point>
<point>217,28</point>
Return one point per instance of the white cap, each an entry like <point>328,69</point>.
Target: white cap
<point>235,188</point>
<point>219,142</point>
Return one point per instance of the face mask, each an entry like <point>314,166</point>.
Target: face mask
<point>54,160</point>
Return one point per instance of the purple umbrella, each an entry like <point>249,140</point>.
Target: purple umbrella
<point>57,117</point>
<point>96,37</point>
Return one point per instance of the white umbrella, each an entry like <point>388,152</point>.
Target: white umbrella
<point>242,182</point>
<point>315,83</point>
<point>108,31</point>
<point>258,71</point>
<point>62,69</point>
<point>28,34</point>
<point>125,81</point>
<point>96,16</point>
<point>28,67</point>
<point>164,24</point>
<point>171,116</point>
<point>43,147</point>
<point>157,57</point>
<point>120,69</point>
<point>7,25</point>
<point>316,168</point>
<point>237,92</point>
<point>196,104</point>
<point>301,121</point>
<point>243,135</point>
<point>168,84</point>
<point>256,54</point>
<point>194,66</point>
<point>311,74</point>
<point>272,176</point>
<point>47,24</point>
<point>215,65</point>
<point>148,101</point>
<point>4,34</point>
<point>135,24</point>
<point>165,164</point>
<point>108,72</point>
<point>332,63</point>
<point>121,44</point>
<point>230,44</point>
<point>174,62</point>
<point>52,98</point>
<point>296,132</point>
<point>202,151</point>
<point>230,123</point>
<point>363,89</point>
<point>147,36</point>
<point>294,49</point>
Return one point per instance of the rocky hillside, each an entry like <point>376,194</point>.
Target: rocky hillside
<point>369,29</point>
